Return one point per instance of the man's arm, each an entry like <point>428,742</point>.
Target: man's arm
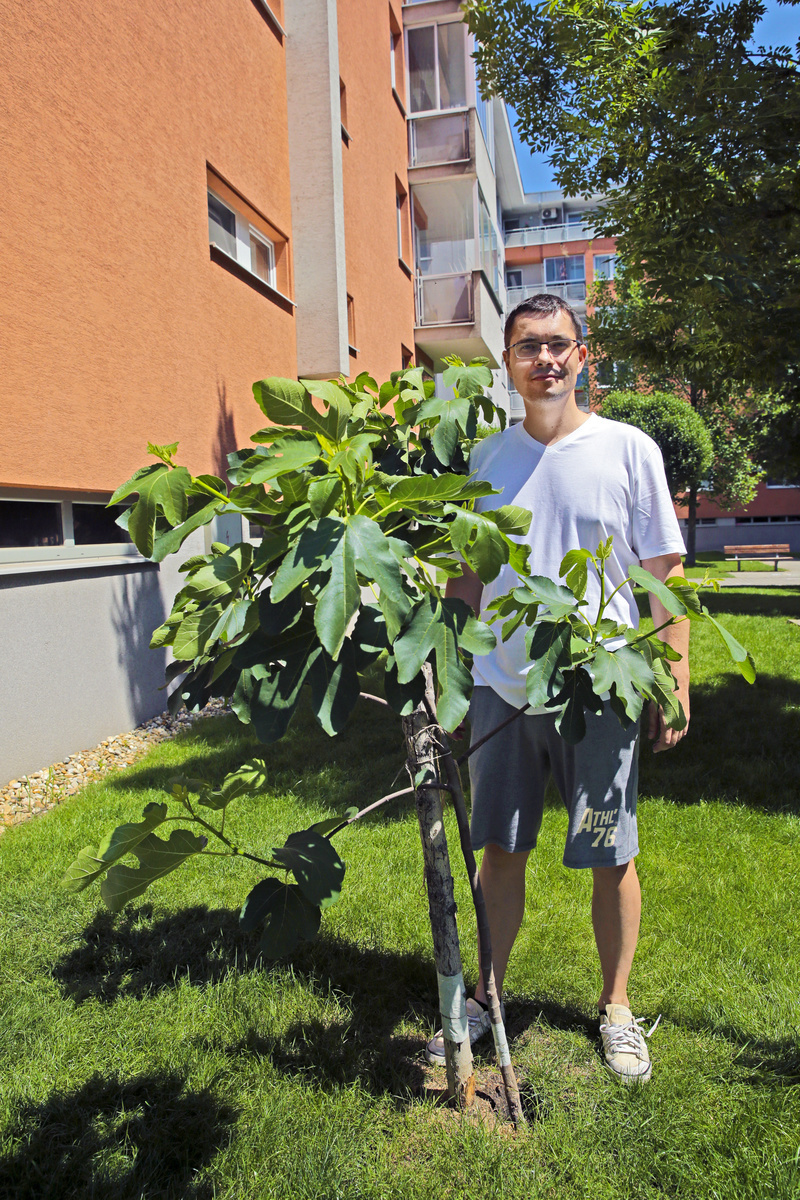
<point>664,567</point>
<point>467,587</point>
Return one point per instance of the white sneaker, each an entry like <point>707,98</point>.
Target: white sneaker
<point>479,1023</point>
<point>626,1055</point>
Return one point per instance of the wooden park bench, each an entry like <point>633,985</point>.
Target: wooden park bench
<point>771,554</point>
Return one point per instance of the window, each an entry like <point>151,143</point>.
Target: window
<point>608,373</point>
<point>490,258</point>
<point>604,265</point>
<point>96,525</point>
<point>396,60</point>
<point>231,233</point>
<point>351,324</point>
<point>343,113</point>
<point>30,523</point>
<point>574,218</point>
<point>238,233</point>
<point>437,67</point>
<point>565,270</point>
<point>35,531</point>
<point>403,227</point>
<point>785,482</point>
<point>513,279</point>
<point>406,356</point>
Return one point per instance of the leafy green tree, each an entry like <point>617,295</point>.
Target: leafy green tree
<point>367,507</point>
<point>670,348</point>
<point>675,426</point>
<point>693,137</point>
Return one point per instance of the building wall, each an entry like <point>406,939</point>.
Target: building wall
<point>122,325</point>
<point>77,666</point>
<point>118,326</point>
<point>374,160</point>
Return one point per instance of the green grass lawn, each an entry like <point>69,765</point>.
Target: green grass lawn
<point>150,1055</point>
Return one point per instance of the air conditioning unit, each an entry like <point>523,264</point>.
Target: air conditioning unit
<point>551,214</point>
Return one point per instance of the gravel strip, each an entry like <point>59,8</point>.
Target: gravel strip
<point>32,794</point>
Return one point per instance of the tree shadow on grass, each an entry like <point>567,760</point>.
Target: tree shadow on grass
<point>358,766</point>
<point>743,747</point>
<point>142,1138</point>
<point>758,1061</point>
<point>133,955</point>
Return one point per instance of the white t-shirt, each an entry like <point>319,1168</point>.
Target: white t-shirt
<point>605,478</point>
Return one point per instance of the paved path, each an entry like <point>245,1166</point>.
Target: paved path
<point>786,576</point>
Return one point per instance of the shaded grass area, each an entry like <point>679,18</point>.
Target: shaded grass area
<point>155,1056</point>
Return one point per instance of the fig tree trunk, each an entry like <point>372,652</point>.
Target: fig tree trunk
<point>422,747</point>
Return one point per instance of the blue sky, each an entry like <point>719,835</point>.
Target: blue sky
<point>780,26</point>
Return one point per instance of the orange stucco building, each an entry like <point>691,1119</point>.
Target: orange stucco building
<point>194,197</point>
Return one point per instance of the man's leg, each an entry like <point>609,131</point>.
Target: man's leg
<point>502,878</point>
<point>616,912</point>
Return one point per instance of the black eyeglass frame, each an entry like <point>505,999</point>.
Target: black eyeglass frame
<point>559,338</point>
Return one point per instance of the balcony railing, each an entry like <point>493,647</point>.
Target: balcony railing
<point>444,299</point>
<point>544,235</point>
<point>439,139</point>
<point>573,291</point>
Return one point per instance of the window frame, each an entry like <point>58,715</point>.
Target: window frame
<point>245,231</point>
<point>66,554</point>
<point>435,26</point>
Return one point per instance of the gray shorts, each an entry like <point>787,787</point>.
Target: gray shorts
<point>597,780</point>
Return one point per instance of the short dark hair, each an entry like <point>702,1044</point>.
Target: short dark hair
<point>543,304</point>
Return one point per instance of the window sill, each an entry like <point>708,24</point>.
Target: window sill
<point>346,137</point>
<point>271,19</point>
<point>399,102</point>
<point>405,267</point>
<point>47,565</point>
<point>223,259</point>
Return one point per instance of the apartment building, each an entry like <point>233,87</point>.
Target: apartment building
<point>194,197</point>
<point>461,169</point>
<point>549,248</point>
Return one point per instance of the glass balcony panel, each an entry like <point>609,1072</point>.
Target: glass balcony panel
<point>436,140</point>
<point>544,235</point>
<point>422,68</point>
<point>452,65</point>
<point>573,293</point>
<point>444,300</point>
<point>444,230</point>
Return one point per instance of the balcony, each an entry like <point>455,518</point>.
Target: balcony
<point>444,299</point>
<point>573,291</point>
<point>546,235</point>
<point>438,140</point>
<point>458,313</point>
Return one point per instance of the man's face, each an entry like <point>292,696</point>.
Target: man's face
<point>546,376</point>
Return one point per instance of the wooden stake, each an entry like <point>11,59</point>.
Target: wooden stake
<point>422,746</point>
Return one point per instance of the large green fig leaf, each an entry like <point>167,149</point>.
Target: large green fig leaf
<point>286,402</point>
<point>316,866</point>
<point>575,696</point>
<point>669,598</point>
<point>159,487</point>
<point>290,918</point>
<point>91,863</point>
<point>742,657</point>
<point>156,859</point>
<point>247,780</point>
<point>548,648</point>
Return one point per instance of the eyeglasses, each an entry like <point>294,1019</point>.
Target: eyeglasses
<point>559,347</point>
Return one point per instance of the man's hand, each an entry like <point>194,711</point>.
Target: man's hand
<point>664,567</point>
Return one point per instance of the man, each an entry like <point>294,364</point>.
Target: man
<point>584,478</point>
